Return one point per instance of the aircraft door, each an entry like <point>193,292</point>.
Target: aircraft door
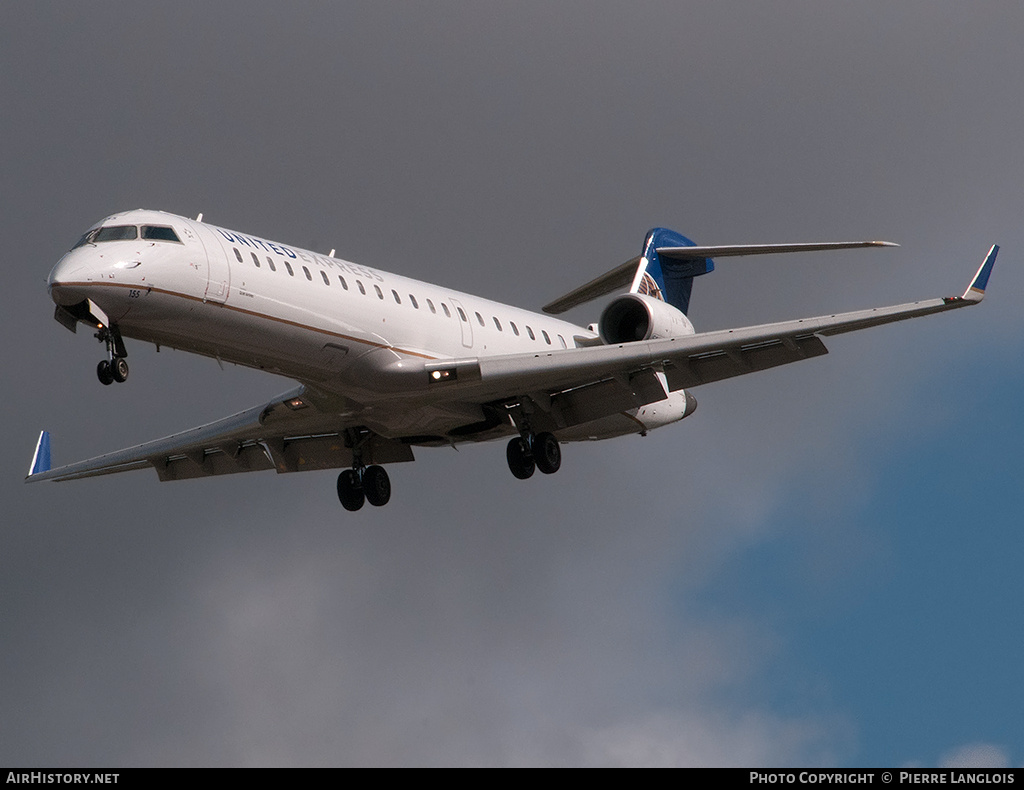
<point>218,273</point>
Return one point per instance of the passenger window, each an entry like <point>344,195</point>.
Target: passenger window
<point>308,275</point>
<point>530,333</point>
<point>546,338</point>
<point>480,318</point>
<point>323,274</point>
<point>270,263</point>
<point>380,293</point>
<point>497,323</point>
<point>445,308</point>
<point>515,329</point>
<point>159,233</point>
<point>394,293</point>
<point>255,259</point>
<point>343,283</point>
<point>562,341</point>
<point>431,306</point>
<point>237,254</point>
<point>462,315</point>
<point>288,266</point>
<point>412,301</point>
<point>361,289</point>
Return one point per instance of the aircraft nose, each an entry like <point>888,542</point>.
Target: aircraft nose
<point>67,279</point>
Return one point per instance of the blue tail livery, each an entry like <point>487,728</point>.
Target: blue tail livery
<point>41,457</point>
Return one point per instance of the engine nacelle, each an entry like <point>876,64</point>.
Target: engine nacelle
<point>633,317</point>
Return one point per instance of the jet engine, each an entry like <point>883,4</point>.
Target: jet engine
<point>633,317</point>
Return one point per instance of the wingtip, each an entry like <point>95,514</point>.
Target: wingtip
<point>976,290</point>
<point>41,457</point>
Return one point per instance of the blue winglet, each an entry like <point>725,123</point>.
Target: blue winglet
<point>976,290</point>
<point>41,458</point>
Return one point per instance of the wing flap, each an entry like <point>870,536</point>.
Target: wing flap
<point>729,362</point>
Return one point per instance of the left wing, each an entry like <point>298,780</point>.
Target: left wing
<point>288,434</point>
<point>687,361</point>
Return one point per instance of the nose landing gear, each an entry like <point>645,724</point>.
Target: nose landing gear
<point>114,367</point>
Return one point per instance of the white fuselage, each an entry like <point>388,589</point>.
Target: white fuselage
<point>300,314</point>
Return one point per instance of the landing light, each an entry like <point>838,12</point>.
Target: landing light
<point>443,374</point>
<point>296,403</point>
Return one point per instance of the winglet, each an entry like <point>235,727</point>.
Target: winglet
<point>41,457</point>
<point>976,290</point>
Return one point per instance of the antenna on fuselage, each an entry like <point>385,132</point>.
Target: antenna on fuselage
<point>331,253</point>
<point>200,217</point>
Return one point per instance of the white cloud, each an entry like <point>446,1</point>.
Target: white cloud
<point>975,755</point>
<point>707,738</point>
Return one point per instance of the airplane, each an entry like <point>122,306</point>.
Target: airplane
<point>386,363</point>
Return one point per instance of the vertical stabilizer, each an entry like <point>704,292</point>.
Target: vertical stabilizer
<point>670,280</point>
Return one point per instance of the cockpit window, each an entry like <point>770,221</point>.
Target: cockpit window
<point>116,233</point>
<point>159,233</point>
<point>109,233</point>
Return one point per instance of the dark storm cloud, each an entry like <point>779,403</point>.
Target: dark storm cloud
<point>512,150</point>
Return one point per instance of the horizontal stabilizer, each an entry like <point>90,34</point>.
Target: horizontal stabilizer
<point>621,276</point>
<point>730,250</point>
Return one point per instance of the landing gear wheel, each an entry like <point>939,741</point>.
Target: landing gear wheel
<point>350,490</point>
<point>104,373</point>
<point>520,460</point>
<point>376,485</point>
<point>119,369</point>
<point>546,453</point>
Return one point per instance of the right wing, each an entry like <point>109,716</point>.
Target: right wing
<point>288,434</point>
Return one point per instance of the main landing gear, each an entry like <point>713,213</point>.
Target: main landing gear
<point>115,366</point>
<point>533,451</point>
<point>364,484</point>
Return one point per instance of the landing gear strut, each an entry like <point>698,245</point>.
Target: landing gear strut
<point>114,367</point>
<point>533,451</point>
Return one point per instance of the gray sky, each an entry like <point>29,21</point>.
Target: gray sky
<point>818,567</point>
